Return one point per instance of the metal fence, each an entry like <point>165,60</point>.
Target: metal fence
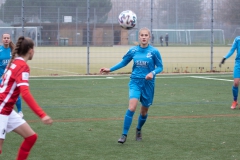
<point>78,37</point>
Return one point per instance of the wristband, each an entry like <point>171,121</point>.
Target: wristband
<point>153,72</point>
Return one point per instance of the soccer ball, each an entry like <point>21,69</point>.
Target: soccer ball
<point>127,19</point>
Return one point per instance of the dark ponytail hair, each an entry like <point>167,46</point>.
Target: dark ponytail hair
<point>11,46</point>
<point>22,47</point>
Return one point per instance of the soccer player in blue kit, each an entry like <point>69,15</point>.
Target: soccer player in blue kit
<point>5,56</point>
<point>147,62</point>
<point>236,72</point>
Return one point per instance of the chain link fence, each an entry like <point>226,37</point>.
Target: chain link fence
<point>79,37</point>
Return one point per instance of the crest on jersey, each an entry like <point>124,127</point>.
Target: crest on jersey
<point>149,55</point>
<point>13,66</point>
<point>25,76</point>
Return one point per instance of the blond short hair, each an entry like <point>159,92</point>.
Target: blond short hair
<point>145,28</point>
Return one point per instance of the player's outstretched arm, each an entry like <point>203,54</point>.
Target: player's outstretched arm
<point>222,62</point>
<point>28,98</point>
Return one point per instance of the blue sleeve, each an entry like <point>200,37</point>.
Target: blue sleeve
<point>2,66</point>
<point>118,66</point>
<point>158,63</point>
<point>234,47</point>
<point>126,59</point>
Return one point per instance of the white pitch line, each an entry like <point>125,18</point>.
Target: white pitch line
<point>212,78</point>
<point>49,69</point>
<point>95,78</point>
<point>112,77</point>
<point>76,79</point>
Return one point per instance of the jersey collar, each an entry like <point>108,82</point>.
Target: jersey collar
<point>20,58</point>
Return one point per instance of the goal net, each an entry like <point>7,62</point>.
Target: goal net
<point>233,36</point>
<point>190,36</point>
<point>16,32</point>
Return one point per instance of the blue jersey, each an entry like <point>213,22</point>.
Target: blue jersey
<point>145,60</point>
<point>235,46</point>
<point>5,56</point>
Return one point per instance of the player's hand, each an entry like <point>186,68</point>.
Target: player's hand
<point>222,62</point>
<point>149,76</point>
<point>47,120</point>
<point>104,70</point>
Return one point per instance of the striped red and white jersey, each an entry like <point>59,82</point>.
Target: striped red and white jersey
<point>17,75</point>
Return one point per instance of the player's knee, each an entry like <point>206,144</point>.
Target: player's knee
<point>132,108</point>
<point>35,137</point>
<point>144,111</point>
<point>32,139</point>
<point>235,84</point>
<point>143,114</point>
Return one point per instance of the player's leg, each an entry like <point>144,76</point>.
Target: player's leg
<point>1,144</point>
<point>20,126</point>
<point>19,106</point>
<point>236,76</point>
<point>146,99</point>
<point>235,93</point>
<point>134,94</point>
<point>30,137</point>
<point>129,115</point>
<point>142,118</point>
<point>235,88</point>
<point>3,128</point>
<point>128,119</point>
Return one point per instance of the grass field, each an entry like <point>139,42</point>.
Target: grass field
<point>74,60</point>
<point>190,119</point>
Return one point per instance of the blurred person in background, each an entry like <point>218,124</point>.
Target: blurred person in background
<point>166,39</point>
<point>236,72</point>
<point>152,39</point>
<point>5,56</point>
<point>161,40</point>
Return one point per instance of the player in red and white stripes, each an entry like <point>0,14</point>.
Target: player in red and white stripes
<point>15,82</point>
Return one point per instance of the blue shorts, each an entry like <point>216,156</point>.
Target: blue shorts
<point>236,71</point>
<point>142,90</point>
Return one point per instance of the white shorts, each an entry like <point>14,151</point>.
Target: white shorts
<point>9,123</point>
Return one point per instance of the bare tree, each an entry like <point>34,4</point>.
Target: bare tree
<point>230,12</point>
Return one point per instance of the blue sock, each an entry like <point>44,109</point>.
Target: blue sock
<point>235,93</point>
<point>127,121</point>
<point>19,104</point>
<point>141,121</point>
